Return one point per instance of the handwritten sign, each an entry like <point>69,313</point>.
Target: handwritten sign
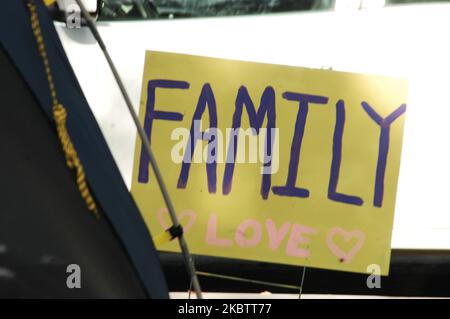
<point>272,163</point>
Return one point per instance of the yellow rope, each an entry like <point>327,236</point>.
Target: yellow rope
<point>60,116</point>
<point>49,2</point>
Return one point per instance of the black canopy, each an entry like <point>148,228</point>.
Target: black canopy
<point>44,222</point>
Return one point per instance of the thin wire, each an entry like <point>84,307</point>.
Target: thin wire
<point>301,283</point>
<point>146,144</point>
<point>190,290</point>
<point>259,282</point>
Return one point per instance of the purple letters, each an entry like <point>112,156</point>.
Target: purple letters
<point>304,99</point>
<point>152,114</point>
<point>266,109</point>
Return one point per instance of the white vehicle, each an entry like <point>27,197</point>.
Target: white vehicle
<point>364,36</point>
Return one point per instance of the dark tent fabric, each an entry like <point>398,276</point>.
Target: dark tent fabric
<point>44,222</point>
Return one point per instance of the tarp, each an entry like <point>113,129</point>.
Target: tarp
<point>44,223</point>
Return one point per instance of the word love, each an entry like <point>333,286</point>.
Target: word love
<point>251,232</point>
<point>267,110</point>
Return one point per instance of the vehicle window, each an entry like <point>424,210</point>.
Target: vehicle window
<point>168,9</point>
<point>172,9</point>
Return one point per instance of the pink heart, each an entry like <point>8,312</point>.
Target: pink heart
<point>184,214</point>
<point>347,235</point>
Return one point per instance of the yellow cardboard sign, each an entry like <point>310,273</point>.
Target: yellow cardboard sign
<point>313,183</point>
